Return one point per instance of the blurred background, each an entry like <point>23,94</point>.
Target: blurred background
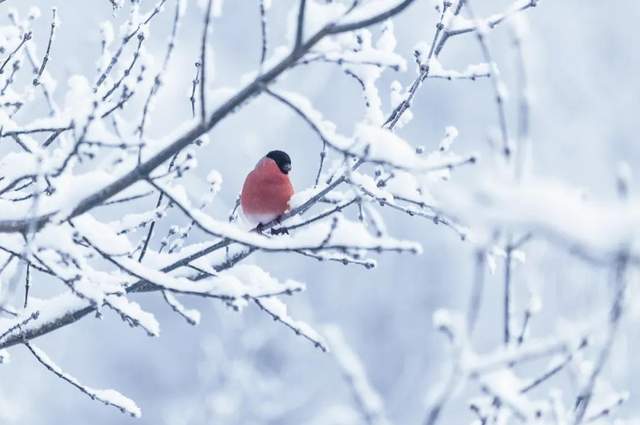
<point>243,368</point>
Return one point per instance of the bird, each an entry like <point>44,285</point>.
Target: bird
<point>267,189</point>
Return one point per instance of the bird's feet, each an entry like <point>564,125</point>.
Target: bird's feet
<point>282,230</point>
<point>279,231</point>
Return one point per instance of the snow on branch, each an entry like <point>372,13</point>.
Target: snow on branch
<point>108,397</point>
<point>190,315</point>
<point>18,324</point>
<point>95,202</point>
<point>459,25</point>
<point>278,312</point>
<point>341,234</point>
<point>369,143</point>
<point>589,227</point>
<point>164,151</point>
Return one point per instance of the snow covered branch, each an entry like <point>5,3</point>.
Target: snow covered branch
<point>99,203</point>
<point>108,397</point>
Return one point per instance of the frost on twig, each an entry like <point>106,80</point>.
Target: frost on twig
<point>278,311</point>
<point>108,397</point>
<point>190,315</point>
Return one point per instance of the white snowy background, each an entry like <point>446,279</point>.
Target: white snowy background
<point>244,368</point>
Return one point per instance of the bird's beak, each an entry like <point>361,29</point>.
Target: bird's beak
<point>286,168</point>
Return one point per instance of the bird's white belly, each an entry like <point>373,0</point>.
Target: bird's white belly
<point>255,219</point>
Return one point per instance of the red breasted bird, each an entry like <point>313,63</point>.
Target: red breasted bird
<point>267,189</point>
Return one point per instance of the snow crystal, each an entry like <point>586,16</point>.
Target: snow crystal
<point>78,100</point>
<point>387,41</point>
<point>214,178</point>
<point>106,29</point>
<point>450,135</point>
<point>34,12</point>
<point>217,8</point>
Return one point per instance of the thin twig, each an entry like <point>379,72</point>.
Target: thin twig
<point>26,37</point>
<point>45,60</point>
<point>108,397</point>
<point>125,41</point>
<point>203,62</point>
<point>263,33</point>
<point>523,141</point>
<point>300,26</point>
<point>620,287</point>
<point>194,86</point>
<point>157,81</point>
<point>475,300</point>
<point>153,223</point>
<point>497,84</point>
<point>19,324</point>
<point>507,296</point>
<point>27,285</point>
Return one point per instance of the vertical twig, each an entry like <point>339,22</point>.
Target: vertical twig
<point>263,32</point>
<point>34,66</point>
<point>476,291</point>
<point>498,85</point>
<point>397,113</point>
<point>27,285</point>
<point>158,80</point>
<point>507,295</point>
<point>456,373</point>
<point>323,154</point>
<point>203,62</point>
<point>523,142</point>
<point>153,223</point>
<point>14,70</point>
<point>300,27</point>
<point>194,82</point>
<point>45,60</point>
<point>620,286</point>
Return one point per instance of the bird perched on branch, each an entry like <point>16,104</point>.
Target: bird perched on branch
<point>267,189</point>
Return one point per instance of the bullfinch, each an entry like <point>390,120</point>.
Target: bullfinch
<point>267,189</point>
